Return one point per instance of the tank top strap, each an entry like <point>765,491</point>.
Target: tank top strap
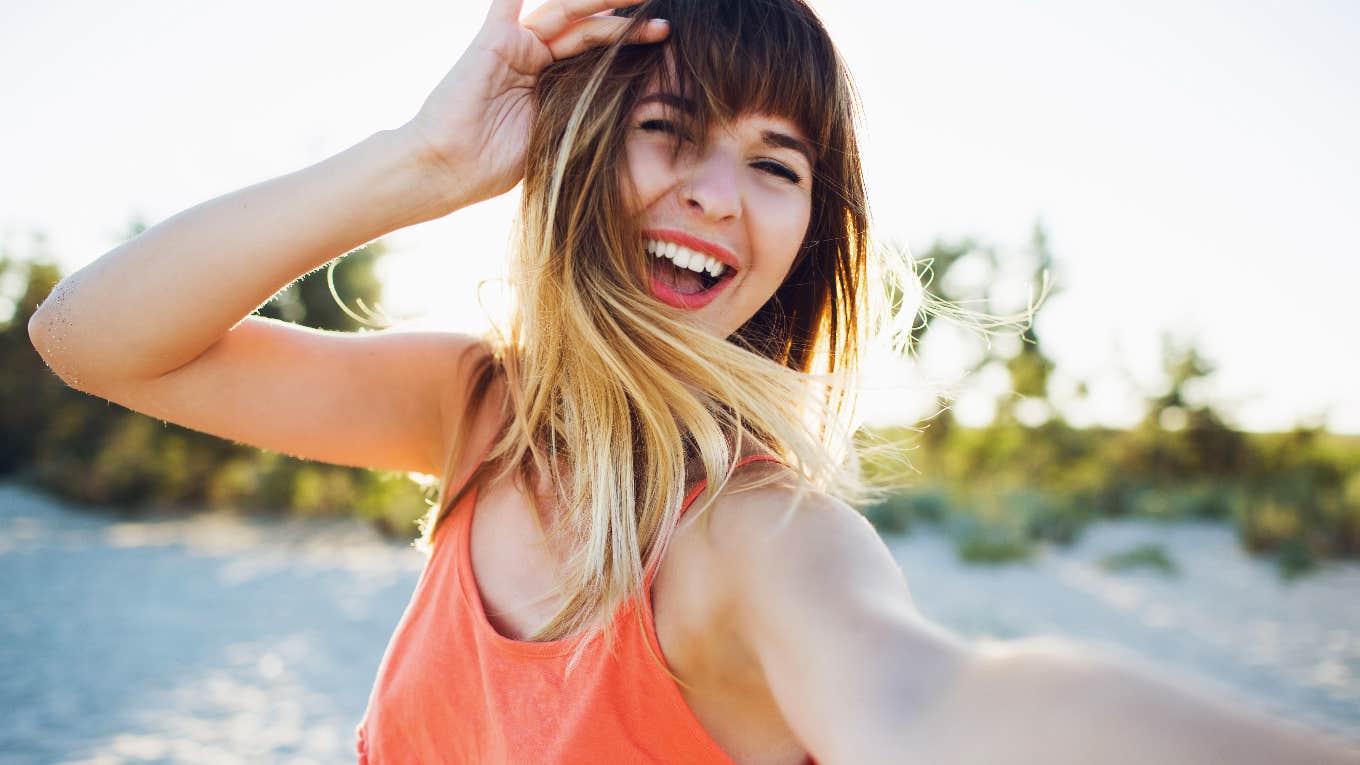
<point>689,500</point>
<point>703,482</point>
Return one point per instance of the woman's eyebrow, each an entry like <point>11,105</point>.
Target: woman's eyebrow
<point>669,99</point>
<point>777,140</point>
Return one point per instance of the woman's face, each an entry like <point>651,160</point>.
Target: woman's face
<point>723,221</point>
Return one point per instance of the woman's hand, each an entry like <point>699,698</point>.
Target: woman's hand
<point>473,128</point>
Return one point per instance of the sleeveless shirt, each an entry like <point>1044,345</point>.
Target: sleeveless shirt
<point>451,689</point>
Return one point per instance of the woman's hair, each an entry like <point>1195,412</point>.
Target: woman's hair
<point>611,394</point>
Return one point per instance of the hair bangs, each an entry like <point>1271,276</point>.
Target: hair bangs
<point>739,57</point>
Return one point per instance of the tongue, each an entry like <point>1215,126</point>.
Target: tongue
<point>682,280</point>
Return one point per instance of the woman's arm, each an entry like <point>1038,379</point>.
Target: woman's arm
<point>861,677</point>
<point>1049,701</point>
<point>160,299</point>
<point>160,324</point>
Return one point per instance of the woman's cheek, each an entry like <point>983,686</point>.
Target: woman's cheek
<point>636,192</point>
<point>649,168</point>
<point>788,230</point>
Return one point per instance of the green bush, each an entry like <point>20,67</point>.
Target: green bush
<point>992,546</point>
<point>898,513</point>
<point>1151,556</point>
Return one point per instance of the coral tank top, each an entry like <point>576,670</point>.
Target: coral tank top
<point>451,689</point>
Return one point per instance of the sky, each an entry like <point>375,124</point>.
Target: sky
<point>1194,164</point>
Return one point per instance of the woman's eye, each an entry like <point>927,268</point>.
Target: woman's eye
<point>663,126</point>
<point>780,170</point>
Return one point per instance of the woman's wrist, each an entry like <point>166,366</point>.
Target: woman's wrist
<point>436,179</point>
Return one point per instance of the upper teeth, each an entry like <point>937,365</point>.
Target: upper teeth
<point>684,257</point>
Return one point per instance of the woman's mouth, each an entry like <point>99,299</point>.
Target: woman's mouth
<point>685,278</point>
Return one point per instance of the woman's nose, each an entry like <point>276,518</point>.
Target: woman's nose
<point>712,187</point>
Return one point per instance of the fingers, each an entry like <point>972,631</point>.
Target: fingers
<point>602,30</point>
<point>557,16</point>
<point>505,10</point>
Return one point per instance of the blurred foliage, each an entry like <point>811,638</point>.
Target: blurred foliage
<point>93,452</point>
<point>1002,489</point>
<point>1030,478</point>
<point>1142,556</point>
<point>1027,479</point>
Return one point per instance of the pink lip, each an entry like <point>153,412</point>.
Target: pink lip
<point>667,294</point>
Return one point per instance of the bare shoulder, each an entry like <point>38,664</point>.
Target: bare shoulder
<point>785,536</point>
<point>815,600</point>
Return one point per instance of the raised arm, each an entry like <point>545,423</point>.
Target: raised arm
<point>861,677</point>
<point>159,300</point>
<point>161,323</point>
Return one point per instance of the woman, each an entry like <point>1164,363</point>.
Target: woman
<point>638,553</point>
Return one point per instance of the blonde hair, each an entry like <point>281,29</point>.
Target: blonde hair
<point>610,393</point>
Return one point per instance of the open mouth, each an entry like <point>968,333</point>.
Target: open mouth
<point>683,277</point>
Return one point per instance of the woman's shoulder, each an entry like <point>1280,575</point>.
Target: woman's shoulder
<point>779,558</point>
<point>768,514</point>
<point>767,503</point>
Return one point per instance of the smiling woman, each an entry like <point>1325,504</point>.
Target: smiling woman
<point>627,371</point>
<point>642,548</point>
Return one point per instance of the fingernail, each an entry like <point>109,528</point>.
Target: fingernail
<point>659,22</point>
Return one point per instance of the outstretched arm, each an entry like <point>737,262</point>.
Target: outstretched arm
<point>862,677</point>
<point>1042,700</point>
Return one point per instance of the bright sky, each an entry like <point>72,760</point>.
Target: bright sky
<point>1195,163</point>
